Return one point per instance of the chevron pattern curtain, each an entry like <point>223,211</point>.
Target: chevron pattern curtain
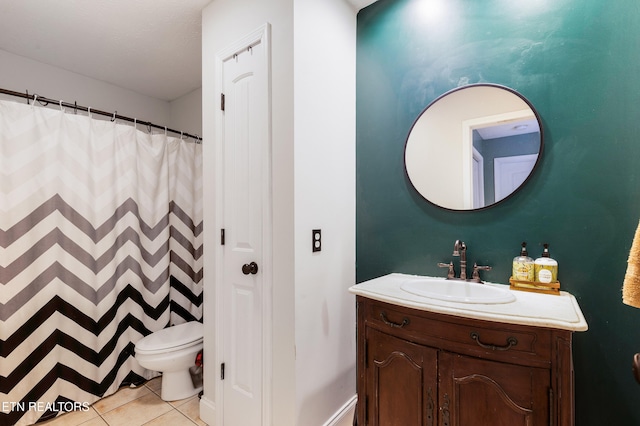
<point>100,245</point>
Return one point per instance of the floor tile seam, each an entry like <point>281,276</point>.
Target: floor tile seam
<point>158,392</point>
<point>186,415</point>
<point>132,402</point>
<point>174,409</point>
<point>182,402</point>
<point>154,418</point>
<point>123,404</point>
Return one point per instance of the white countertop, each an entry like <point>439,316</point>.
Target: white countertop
<point>536,309</point>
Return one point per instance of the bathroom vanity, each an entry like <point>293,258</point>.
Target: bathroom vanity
<point>460,359</point>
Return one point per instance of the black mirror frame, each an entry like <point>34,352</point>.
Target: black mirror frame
<point>519,188</point>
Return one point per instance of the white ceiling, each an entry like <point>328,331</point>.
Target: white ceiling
<point>152,47</point>
<point>360,4</point>
<point>512,128</point>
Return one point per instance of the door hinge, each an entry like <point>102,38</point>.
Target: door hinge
<point>222,237</point>
<point>222,101</point>
<point>222,371</point>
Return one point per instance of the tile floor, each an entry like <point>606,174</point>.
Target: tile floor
<point>135,407</point>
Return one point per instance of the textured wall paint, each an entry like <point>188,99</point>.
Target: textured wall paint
<point>577,61</point>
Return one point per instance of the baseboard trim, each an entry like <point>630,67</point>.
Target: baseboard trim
<point>342,417</point>
<point>345,414</point>
<point>208,411</point>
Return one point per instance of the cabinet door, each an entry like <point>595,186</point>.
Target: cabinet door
<point>401,382</point>
<point>477,392</point>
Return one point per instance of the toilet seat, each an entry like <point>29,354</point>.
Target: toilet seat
<point>171,338</point>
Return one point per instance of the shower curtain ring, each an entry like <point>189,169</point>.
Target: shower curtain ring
<point>114,116</point>
<point>149,128</point>
<point>28,98</point>
<point>61,107</point>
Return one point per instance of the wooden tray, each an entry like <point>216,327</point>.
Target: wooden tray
<point>535,286</point>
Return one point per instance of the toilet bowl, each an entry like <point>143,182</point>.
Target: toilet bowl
<point>172,351</point>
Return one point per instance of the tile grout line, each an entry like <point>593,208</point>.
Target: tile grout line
<point>102,415</point>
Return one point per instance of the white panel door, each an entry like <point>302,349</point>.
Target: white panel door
<point>245,146</point>
<point>478,179</point>
<point>511,172</point>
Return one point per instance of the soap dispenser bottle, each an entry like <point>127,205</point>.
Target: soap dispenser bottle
<point>546,268</point>
<point>523,266</point>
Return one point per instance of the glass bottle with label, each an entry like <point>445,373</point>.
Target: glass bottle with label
<point>523,266</point>
<point>546,268</point>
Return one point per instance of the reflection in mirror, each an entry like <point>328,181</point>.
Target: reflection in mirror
<point>473,147</point>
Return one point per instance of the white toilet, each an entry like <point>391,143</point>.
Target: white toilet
<point>172,351</point>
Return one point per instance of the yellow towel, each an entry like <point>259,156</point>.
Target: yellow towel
<point>631,286</point>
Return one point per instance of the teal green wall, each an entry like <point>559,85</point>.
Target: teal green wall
<point>578,62</point>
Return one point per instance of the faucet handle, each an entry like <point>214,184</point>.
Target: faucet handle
<point>476,272</point>
<point>451,273</point>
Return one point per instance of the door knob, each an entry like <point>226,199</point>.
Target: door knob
<point>250,268</point>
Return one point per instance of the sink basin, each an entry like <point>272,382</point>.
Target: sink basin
<point>457,291</point>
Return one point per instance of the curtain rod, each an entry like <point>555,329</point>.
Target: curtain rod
<point>114,115</point>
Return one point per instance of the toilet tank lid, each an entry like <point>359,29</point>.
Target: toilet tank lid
<point>170,337</point>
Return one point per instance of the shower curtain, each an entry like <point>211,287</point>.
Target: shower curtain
<point>100,245</point>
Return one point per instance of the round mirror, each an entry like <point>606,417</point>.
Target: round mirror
<point>473,147</point>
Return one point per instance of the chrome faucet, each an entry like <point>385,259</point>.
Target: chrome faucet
<point>460,250</point>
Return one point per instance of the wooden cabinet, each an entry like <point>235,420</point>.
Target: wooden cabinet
<point>425,369</point>
<point>401,381</point>
<point>479,392</point>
